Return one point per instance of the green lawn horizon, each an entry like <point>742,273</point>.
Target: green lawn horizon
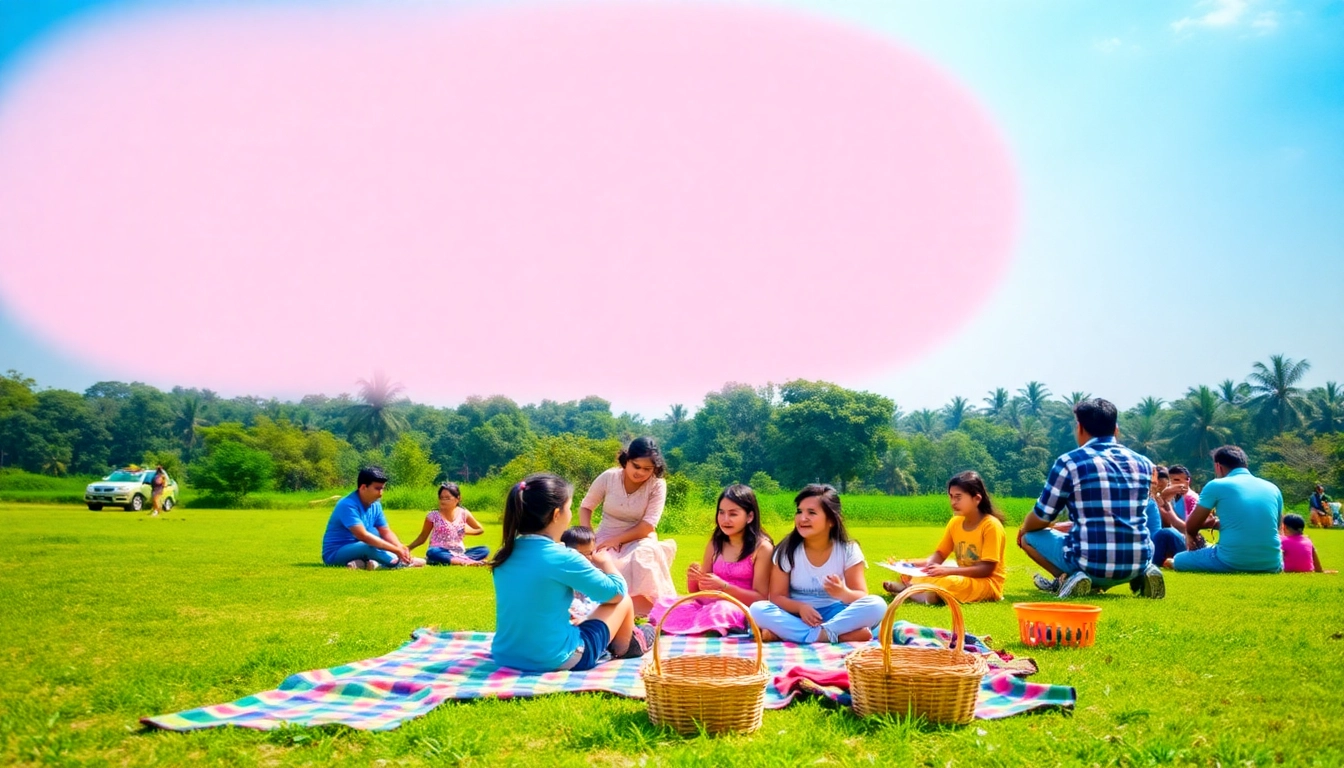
<point>113,616</point>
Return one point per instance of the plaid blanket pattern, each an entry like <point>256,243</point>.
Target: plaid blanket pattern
<point>380,694</point>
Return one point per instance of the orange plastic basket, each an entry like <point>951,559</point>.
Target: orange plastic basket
<point>1052,625</point>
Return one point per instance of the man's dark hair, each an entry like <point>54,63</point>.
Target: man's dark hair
<point>371,475</point>
<point>1098,417</point>
<point>1230,456</point>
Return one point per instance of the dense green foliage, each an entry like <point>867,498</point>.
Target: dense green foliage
<point>115,616</point>
<point>797,432</point>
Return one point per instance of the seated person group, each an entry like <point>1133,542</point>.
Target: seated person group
<point>567,596</point>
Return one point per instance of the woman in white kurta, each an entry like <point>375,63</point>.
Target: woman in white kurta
<point>632,498</point>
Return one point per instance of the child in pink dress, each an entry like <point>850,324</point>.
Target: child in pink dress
<point>1299,554</point>
<point>445,528</point>
<point>736,561</point>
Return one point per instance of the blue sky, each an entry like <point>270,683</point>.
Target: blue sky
<point>1181,167</point>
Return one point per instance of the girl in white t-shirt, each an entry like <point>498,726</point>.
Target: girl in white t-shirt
<point>817,589</point>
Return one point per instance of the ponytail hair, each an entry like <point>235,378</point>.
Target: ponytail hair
<point>529,508</point>
<point>970,482</point>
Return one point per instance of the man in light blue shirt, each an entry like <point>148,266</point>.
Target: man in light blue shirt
<point>1249,510</point>
<point>358,535</point>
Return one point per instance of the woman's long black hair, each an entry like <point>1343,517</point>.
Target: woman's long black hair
<point>744,497</point>
<point>971,482</point>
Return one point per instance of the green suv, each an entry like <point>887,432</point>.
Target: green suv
<point>129,489</point>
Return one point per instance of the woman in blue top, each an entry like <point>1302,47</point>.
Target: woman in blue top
<point>535,580</point>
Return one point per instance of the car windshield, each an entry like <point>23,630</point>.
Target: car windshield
<point>124,476</point>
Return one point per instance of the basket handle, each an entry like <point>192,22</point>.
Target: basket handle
<point>714,595</point>
<point>889,620</point>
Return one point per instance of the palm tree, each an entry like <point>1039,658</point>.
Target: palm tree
<point>1276,399</point>
<point>1328,404</point>
<point>1200,423</point>
<point>923,421</point>
<point>1074,398</point>
<point>188,419</point>
<point>997,401</point>
<point>957,411</point>
<point>1150,406</point>
<point>1142,432</point>
<point>676,415</point>
<point>1034,396</point>
<point>376,416</point>
<point>55,460</point>
<point>1031,433</point>
<point>1234,394</point>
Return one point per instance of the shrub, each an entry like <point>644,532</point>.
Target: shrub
<point>232,470</point>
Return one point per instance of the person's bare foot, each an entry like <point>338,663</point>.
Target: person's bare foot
<point>1168,564</point>
<point>895,587</point>
<point>769,637</point>
<point>857,635</point>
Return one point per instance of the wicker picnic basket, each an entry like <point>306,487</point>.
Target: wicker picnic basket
<point>717,693</point>
<point>938,684</point>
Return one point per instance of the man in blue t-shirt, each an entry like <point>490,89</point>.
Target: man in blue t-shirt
<point>358,535</point>
<point>1249,511</point>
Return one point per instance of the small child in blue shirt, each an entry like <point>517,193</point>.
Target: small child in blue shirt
<point>535,580</point>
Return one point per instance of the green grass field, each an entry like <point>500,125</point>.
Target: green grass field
<point>110,616</point>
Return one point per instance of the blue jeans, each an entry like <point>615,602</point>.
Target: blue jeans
<point>361,551</point>
<point>441,556</point>
<point>1050,544</point>
<point>1206,560</point>
<point>837,619</point>
<point>1167,542</point>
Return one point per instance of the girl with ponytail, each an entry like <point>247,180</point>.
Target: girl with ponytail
<point>535,579</point>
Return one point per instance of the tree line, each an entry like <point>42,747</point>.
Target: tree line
<point>788,434</point>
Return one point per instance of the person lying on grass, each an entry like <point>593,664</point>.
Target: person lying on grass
<point>817,589</point>
<point>350,539</point>
<point>1299,554</point>
<point>535,579</point>
<point>445,528</point>
<point>975,535</point>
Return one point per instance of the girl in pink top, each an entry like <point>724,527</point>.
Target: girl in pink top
<point>632,497</point>
<point>737,561</point>
<point>1299,554</point>
<point>445,528</point>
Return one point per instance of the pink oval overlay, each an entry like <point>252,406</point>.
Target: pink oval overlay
<point>539,200</point>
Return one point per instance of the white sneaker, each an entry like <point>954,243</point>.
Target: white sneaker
<point>1079,584</point>
<point>372,565</point>
<point>1045,583</point>
<point>355,565</point>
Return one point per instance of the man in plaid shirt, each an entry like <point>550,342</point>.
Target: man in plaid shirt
<point>1104,486</point>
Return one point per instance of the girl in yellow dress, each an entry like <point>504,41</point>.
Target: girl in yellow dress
<point>975,536</point>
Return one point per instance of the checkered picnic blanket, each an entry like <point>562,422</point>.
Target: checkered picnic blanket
<point>380,694</point>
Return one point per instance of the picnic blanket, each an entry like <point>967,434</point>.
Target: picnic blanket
<point>380,694</point>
